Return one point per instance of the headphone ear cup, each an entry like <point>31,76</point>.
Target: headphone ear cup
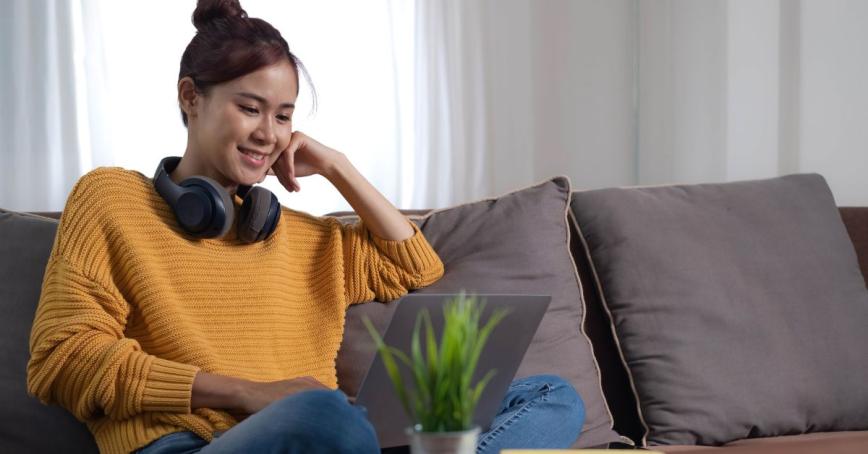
<point>218,208</point>
<point>259,215</point>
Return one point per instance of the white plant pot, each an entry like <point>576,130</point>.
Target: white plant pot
<point>463,442</point>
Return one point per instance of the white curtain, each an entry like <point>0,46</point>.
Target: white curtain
<point>514,91</point>
<point>452,118</point>
<point>625,92</point>
<point>50,64</point>
<point>738,89</point>
<point>442,102</point>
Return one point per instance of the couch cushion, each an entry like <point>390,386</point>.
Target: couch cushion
<point>25,243</point>
<point>616,381</point>
<point>516,243</point>
<point>739,308</point>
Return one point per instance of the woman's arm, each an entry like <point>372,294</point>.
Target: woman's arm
<point>216,391</point>
<point>80,359</point>
<point>305,156</point>
<point>385,255</point>
<point>379,215</point>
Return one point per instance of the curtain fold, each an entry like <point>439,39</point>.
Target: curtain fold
<point>452,125</point>
<point>626,92</point>
<point>38,134</point>
<point>511,92</point>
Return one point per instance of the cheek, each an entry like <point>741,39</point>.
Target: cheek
<point>233,127</point>
<point>283,139</point>
<point>212,136</point>
<point>242,126</point>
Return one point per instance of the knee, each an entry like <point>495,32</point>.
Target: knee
<point>355,432</point>
<point>563,395</point>
<point>333,424</point>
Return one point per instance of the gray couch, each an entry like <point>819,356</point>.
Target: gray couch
<point>459,234</point>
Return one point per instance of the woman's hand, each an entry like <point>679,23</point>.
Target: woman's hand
<point>240,397</point>
<point>255,396</point>
<point>302,157</point>
<point>305,156</point>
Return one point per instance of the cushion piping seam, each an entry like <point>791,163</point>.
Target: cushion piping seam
<point>582,332</point>
<point>612,327</point>
<point>488,199</point>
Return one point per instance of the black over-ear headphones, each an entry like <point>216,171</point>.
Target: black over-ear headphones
<point>204,209</point>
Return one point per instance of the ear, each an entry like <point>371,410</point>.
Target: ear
<point>188,96</point>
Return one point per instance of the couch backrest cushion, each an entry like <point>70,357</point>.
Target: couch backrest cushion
<point>739,308</point>
<point>614,376</point>
<point>515,243</point>
<point>26,425</point>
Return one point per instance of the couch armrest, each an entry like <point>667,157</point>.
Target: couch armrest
<point>856,221</point>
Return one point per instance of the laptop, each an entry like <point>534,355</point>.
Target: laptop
<point>503,352</point>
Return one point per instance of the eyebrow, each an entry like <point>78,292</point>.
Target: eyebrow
<point>263,101</point>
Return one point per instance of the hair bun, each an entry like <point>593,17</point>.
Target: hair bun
<point>208,11</point>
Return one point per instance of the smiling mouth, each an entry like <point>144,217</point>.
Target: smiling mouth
<point>253,155</point>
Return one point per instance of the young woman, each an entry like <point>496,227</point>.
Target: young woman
<point>192,312</point>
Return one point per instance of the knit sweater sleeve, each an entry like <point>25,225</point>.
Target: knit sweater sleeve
<point>376,268</point>
<point>79,356</point>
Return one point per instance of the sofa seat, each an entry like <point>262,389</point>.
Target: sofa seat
<point>855,442</point>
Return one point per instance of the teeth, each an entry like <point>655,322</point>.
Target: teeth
<point>256,156</point>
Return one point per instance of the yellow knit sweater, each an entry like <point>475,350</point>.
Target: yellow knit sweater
<point>132,307</point>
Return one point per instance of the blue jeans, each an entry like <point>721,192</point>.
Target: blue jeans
<point>542,411</point>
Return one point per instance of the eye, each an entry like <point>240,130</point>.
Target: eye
<point>248,109</point>
<point>283,118</point>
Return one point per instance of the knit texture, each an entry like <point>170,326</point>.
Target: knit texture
<point>132,307</point>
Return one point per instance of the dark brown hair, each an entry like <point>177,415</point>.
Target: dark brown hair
<point>228,45</point>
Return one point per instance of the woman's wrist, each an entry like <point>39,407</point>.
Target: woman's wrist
<point>335,166</point>
<point>217,392</point>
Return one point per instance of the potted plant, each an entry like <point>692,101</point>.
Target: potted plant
<point>442,401</point>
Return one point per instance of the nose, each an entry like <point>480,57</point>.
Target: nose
<point>264,133</point>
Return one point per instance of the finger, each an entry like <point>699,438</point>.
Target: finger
<point>292,168</point>
<point>295,143</point>
<point>289,156</point>
<point>278,172</point>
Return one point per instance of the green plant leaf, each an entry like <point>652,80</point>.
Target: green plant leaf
<point>391,367</point>
<point>480,386</point>
<point>418,366</point>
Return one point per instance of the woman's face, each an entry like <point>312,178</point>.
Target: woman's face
<point>240,127</point>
